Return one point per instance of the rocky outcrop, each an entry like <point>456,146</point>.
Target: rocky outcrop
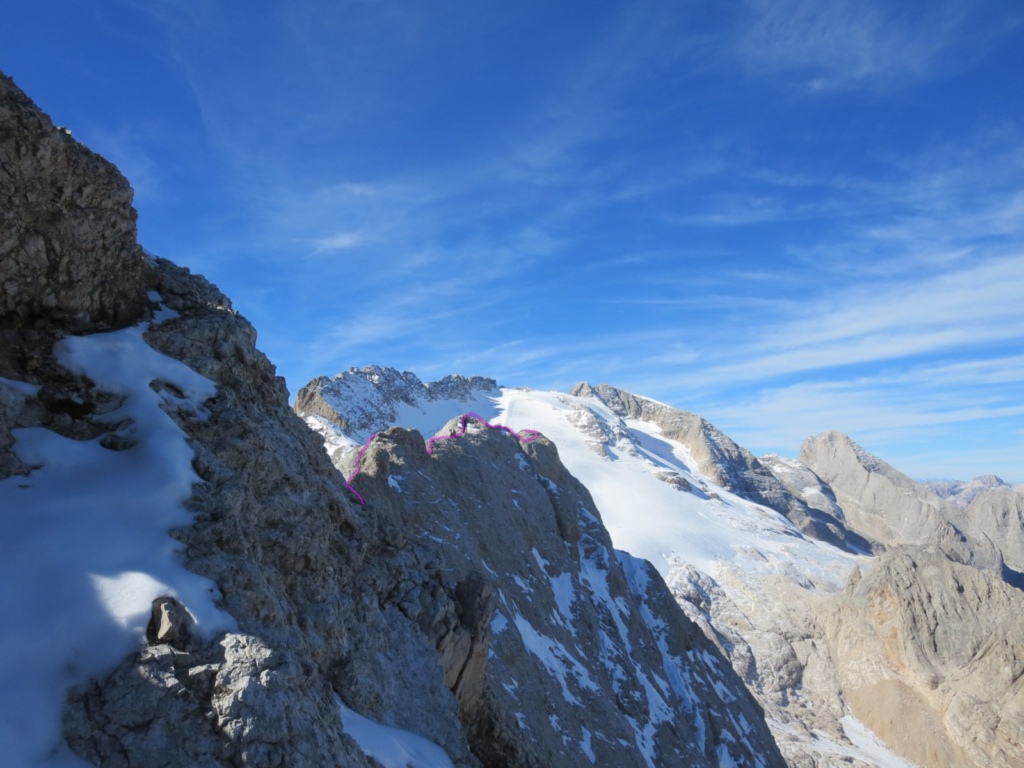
<point>994,513</point>
<point>931,657</point>
<point>588,653</point>
<point>274,530</point>
<point>69,261</point>
<point>725,463</point>
<point>960,494</point>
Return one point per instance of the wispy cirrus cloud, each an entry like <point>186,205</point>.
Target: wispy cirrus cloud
<point>886,364</point>
<point>844,44</point>
<point>971,304</point>
<point>876,412</point>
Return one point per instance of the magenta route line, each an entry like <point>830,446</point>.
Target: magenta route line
<point>524,436</point>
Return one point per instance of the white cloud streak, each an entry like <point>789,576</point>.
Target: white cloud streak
<point>843,44</point>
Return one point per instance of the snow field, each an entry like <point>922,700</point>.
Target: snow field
<point>657,522</point>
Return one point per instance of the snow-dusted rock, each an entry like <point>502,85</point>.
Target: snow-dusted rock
<point>367,400</point>
<point>590,660</point>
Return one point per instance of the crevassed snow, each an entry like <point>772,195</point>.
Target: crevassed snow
<point>392,747</point>
<point>658,522</point>
<point>84,544</point>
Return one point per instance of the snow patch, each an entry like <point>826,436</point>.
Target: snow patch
<point>84,544</point>
<point>586,745</point>
<point>392,747</point>
<point>555,658</point>
<point>871,747</point>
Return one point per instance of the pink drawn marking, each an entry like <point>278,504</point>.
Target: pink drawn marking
<point>524,436</point>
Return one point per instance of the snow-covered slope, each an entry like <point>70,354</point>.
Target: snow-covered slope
<point>653,498</point>
<point>729,561</point>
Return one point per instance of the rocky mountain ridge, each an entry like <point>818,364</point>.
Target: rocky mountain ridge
<point>726,464</point>
<point>962,493</point>
<point>472,613</point>
<point>370,398</point>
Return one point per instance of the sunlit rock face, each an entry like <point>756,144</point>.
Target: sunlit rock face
<point>931,657</point>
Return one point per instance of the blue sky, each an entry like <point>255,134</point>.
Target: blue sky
<point>785,215</point>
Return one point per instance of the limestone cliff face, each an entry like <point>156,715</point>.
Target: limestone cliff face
<point>886,505</point>
<point>995,514</point>
<point>475,600</point>
<point>931,656</point>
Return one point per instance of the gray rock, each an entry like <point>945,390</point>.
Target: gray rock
<point>170,624</point>
<point>961,494</point>
<point>235,702</point>
<point>887,506</point>
<point>68,255</point>
<point>995,514</point>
